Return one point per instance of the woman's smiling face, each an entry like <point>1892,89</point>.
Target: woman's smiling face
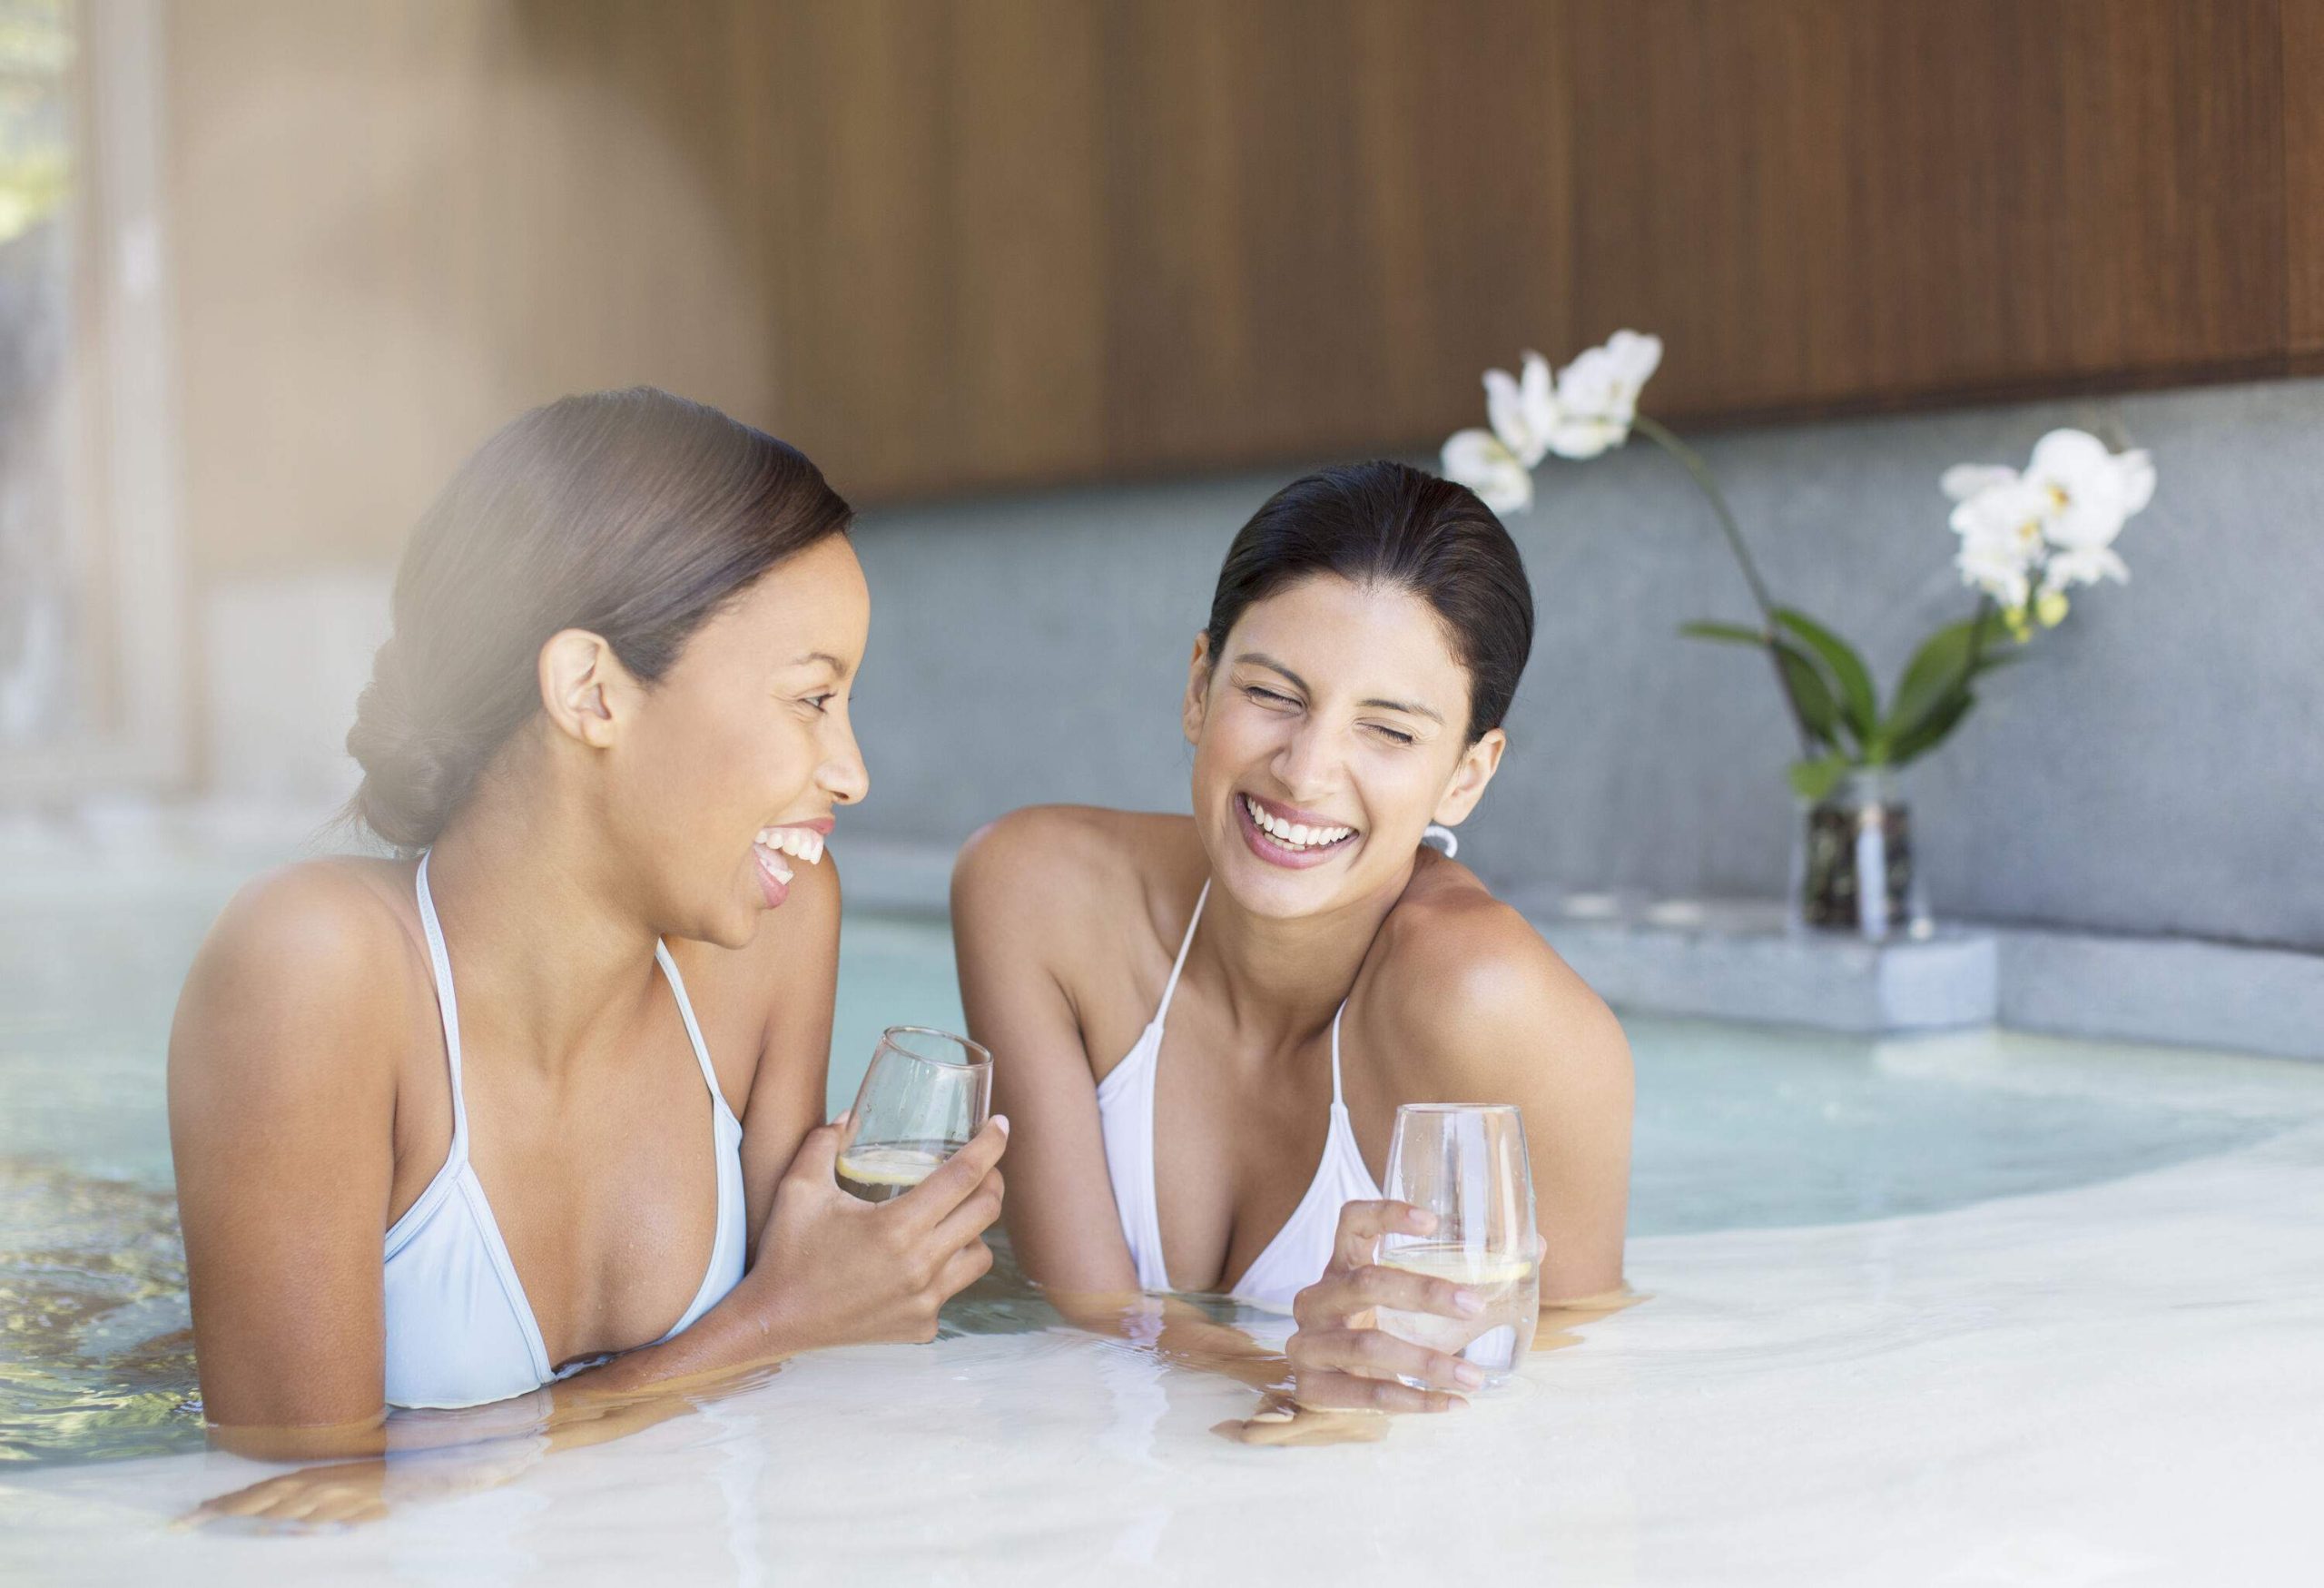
<point>732,766</point>
<point>1328,733</point>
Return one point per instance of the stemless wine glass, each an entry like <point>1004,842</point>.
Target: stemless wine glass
<point>1467,1164</point>
<point>925,1094</point>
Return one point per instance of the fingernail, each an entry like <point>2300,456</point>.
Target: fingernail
<point>1423,1221</point>
<point>1468,1377</point>
<point>1002,1120</point>
<point>1469,1302</point>
<point>1454,1403</point>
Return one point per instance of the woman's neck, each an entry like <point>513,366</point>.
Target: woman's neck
<point>1283,980</point>
<point>551,944</point>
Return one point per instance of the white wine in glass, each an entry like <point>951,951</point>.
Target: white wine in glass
<point>926,1093</point>
<point>1467,1164</point>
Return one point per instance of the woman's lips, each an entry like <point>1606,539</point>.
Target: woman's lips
<point>1268,848</point>
<point>777,848</point>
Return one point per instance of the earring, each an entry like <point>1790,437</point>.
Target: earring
<point>1443,837</point>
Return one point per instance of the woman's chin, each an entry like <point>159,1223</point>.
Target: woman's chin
<point>1280,892</point>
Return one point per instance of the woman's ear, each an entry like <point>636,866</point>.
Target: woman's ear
<point>585,692</point>
<point>1478,763</point>
<point>1197,701</point>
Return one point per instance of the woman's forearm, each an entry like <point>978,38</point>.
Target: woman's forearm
<point>730,1341</point>
<point>1177,1331</point>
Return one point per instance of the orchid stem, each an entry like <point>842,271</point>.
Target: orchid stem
<point>1700,472</point>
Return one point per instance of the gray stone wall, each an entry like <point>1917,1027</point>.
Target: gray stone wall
<point>2156,767</point>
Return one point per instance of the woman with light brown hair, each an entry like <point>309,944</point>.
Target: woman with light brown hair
<point>608,737</point>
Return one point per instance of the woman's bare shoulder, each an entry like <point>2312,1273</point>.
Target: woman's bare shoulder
<point>1462,982</point>
<point>311,963</point>
<point>1080,892</point>
<point>1070,863</point>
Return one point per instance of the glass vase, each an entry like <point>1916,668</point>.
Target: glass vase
<point>1852,861</point>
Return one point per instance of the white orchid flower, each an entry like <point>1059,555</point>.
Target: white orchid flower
<point>1598,393</point>
<point>2084,566</point>
<point>2001,539</point>
<point>1964,480</point>
<point>2089,491</point>
<point>1994,568</point>
<point>1523,409</point>
<point>1483,462</point>
<point>2010,516</point>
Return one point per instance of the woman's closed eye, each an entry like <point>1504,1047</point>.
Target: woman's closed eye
<point>1259,693</point>
<point>1394,735</point>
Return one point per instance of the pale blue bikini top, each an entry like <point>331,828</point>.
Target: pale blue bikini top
<point>459,1331</point>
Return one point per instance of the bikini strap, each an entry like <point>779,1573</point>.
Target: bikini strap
<point>1337,1102</point>
<point>685,1013</point>
<point>446,1004</point>
<point>1170,988</point>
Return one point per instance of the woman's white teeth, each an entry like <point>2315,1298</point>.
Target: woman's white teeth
<point>799,843</point>
<point>1294,834</point>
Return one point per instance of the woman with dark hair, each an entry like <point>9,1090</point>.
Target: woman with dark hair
<point>607,736</point>
<point>1209,1023</point>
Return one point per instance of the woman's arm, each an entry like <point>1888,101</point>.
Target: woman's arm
<point>283,1091</point>
<point>1473,1006</point>
<point>1019,900</point>
<point>1506,1021</point>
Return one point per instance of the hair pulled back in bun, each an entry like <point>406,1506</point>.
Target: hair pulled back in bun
<point>635,515</point>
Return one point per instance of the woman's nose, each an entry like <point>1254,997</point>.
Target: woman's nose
<point>844,776</point>
<point>1305,763</point>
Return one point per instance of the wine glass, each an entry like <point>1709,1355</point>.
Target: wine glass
<point>926,1092</point>
<point>1467,1164</point>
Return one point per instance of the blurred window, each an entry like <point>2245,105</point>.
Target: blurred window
<point>88,595</point>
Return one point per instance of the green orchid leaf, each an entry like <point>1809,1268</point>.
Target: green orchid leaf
<point>1819,709</point>
<point>1859,701</point>
<point>1933,729</point>
<point>1939,668</point>
<point>1812,780</point>
<point>1733,634</point>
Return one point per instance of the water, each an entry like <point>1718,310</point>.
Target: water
<point>1736,1128</point>
<point>1969,1308</point>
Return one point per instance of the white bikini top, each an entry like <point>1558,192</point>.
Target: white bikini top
<point>459,1331</point>
<point>1302,1249</point>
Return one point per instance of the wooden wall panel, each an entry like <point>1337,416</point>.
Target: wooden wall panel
<point>1325,219</point>
<point>952,245</point>
<point>2303,78</point>
<point>394,225</point>
<point>1827,202</point>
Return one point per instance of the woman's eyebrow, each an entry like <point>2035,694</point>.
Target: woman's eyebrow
<point>1260,658</point>
<point>1407,706</point>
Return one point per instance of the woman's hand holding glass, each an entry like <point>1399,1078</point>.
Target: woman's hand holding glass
<point>882,1217</point>
<point>1439,1290</point>
<point>834,1271</point>
<point>1341,1359</point>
